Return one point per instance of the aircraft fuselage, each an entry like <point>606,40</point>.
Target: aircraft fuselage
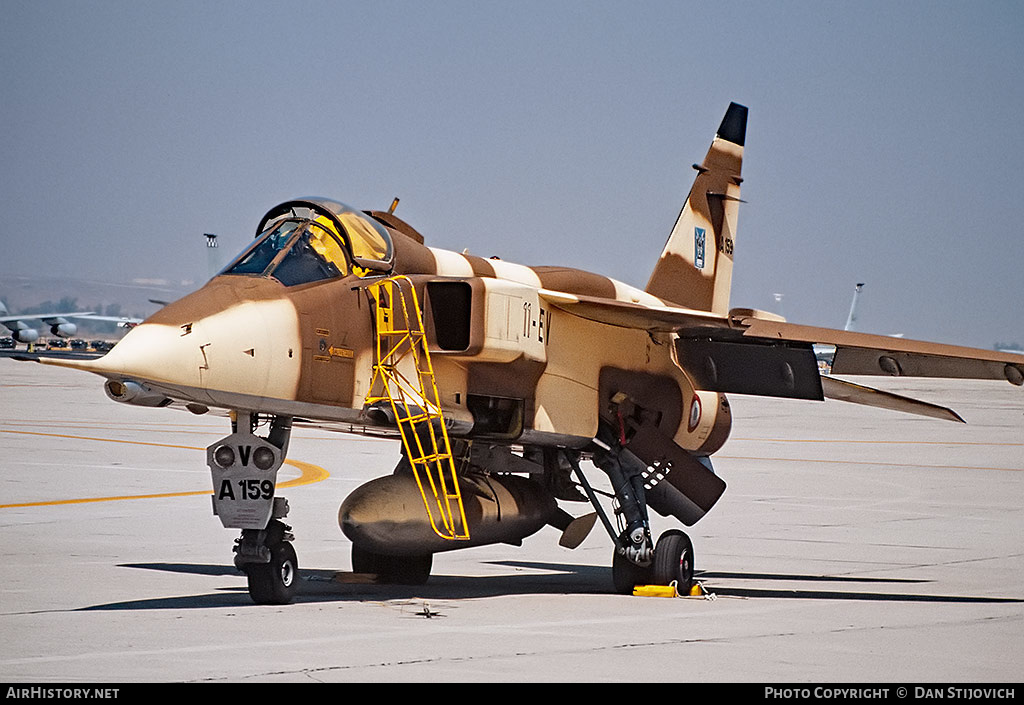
<point>509,366</point>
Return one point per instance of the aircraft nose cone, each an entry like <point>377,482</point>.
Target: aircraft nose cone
<point>157,353</point>
<point>231,357</point>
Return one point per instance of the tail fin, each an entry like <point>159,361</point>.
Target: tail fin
<point>695,269</point>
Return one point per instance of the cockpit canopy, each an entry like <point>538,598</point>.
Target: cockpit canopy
<point>312,239</point>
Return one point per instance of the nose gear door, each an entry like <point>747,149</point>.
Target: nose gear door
<point>244,469</point>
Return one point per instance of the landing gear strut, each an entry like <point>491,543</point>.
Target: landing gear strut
<point>632,563</point>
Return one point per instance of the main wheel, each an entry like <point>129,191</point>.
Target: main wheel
<point>276,582</point>
<point>626,574</point>
<point>673,561</point>
<point>400,570</point>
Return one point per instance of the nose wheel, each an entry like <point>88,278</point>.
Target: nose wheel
<point>268,560</point>
<point>274,583</point>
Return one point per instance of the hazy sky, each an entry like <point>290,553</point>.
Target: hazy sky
<point>884,141</point>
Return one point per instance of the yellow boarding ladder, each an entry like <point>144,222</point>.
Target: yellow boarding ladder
<point>415,404</point>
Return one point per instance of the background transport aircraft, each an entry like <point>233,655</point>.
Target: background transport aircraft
<point>499,379</point>
<point>22,332</point>
<point>58,323</point>
<point>121,321</point>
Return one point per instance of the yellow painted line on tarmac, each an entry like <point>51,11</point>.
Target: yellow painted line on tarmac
<point>309,473</point>
<point>94,438</point>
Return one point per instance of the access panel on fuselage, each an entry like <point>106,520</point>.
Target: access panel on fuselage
<point>334,326</point>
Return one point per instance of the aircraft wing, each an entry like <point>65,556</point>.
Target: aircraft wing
<point>751,352</point>
<point>666,319</point>
<point>48,318</point>
<point>866,354</point>
<point>122,321</point>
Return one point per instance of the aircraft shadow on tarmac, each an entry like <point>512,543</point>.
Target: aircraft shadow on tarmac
<point>558,578</point>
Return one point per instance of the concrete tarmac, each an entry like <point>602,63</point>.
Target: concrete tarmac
<point>853,545</point>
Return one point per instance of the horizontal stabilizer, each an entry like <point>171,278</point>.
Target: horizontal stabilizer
<point>858,394</point>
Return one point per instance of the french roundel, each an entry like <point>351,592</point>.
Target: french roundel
<point>694,414</point>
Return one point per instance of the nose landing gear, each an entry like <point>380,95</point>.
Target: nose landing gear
<point>244,468</point>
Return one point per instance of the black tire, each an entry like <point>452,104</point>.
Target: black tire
<point>276,582</point>
<point>626,574</point>
<point>396,570</point>
<point>673,561</point>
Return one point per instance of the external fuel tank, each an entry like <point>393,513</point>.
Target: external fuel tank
<point>388,516</point>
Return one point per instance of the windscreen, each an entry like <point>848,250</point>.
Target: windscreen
<point>294,252</point>
<point>267,246</point>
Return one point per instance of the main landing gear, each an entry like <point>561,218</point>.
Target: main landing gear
<point>637,560</point>
<point>244,468</point>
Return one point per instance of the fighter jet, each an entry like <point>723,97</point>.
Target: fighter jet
<point>22,332</point>
<point>498,379</point>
